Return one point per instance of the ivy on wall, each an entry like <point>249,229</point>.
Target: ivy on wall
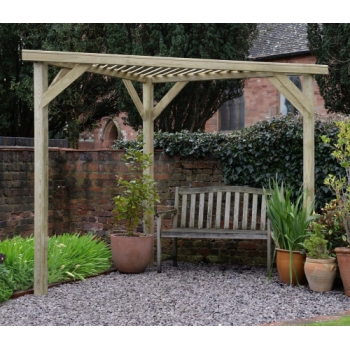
<point>256,154</point>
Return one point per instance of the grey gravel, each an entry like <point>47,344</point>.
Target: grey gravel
<point>187,295</point>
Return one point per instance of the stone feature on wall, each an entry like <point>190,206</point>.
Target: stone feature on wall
<point>82,185</point>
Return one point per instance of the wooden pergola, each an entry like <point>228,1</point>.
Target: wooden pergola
<point>149,71</point>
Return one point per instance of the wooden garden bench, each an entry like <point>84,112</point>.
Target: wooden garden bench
<point>219,212</point>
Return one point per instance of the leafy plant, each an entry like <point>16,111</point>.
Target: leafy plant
<point>331,220</point>
<point>341,185</point>
<point>70,256</point>
<point>316,244</point>
<point>289,221</point>
<point>138,194</point>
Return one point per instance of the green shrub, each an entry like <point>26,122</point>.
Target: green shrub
<point>6,284</point>
<point>70,256</point>
<point>316,245</point>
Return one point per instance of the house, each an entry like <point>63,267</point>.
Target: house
<point>276,42</point>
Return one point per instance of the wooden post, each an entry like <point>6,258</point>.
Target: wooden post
<point>148,131</point>
<point>41,156</point>
<point>309,142</point>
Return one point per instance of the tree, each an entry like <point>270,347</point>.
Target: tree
<point>88,99</point>
<point>198,101</point>
<point>330,43</point>
<point>92,97</point>
<point>16,117</point>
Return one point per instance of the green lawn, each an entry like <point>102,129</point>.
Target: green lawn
<point>343,321</point>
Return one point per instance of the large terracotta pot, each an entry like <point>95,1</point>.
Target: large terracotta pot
<point>131,254</point>
<point>343,258</point>
<point>320,273</point>
<point>283,264</point>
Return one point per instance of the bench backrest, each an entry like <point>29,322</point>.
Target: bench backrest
<point>220,207</point>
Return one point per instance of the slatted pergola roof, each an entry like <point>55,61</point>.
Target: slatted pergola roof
<point>150,71</point>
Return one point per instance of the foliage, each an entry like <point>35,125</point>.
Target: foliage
<point>255,154</point>
<point>198,101</point>
<point>91,95</point>
<point>341,185</point>
<point>70,256</point>
<point>316,245</point>
<point>138,194</point>
<point>289,221</point>
<point>16,116</point>
<point>6,285</point>
<point>74,256</point>
<point>331,220</point>
<point>330,43</point>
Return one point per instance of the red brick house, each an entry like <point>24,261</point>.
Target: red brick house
<point>276,42</point>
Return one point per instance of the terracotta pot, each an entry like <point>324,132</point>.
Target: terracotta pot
<point>283,264</point>
<point>131,254</point>
<point>343,258</point>
<point>320,273</point>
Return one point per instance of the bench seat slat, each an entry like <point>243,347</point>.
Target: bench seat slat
<point>214,234</point>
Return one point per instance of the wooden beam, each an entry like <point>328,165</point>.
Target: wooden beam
<point>59,76</point>
<point>134,96</point>
<point>148,131</point>
<point>164,102</point>
<point>309,142</point>
<point>287,88</point>
<point>169,62</point>
<point>63,83</point>
<point>41,182</point>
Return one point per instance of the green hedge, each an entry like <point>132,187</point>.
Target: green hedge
<point>256,154</point>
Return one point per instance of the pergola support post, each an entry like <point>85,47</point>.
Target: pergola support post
<point>148,131</point>
<point>309,142</point>
<point>41,157</point>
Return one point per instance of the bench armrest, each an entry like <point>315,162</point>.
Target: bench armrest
<point>163,213</point>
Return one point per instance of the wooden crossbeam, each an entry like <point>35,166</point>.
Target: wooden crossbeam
<point>60,75</point>
<point>164,102</point>
<point>287,88</point>
<point>63,83</point>
<point>134,96</point>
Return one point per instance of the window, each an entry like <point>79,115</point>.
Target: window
<point>286,107</point>
<point>231,115</point>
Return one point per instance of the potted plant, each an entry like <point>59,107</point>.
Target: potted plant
<point>289,222</point>
<point>341,188</point>
<point>320,267</point>
<point>131,250</point>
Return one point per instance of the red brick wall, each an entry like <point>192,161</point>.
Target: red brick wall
<point>82,185</point>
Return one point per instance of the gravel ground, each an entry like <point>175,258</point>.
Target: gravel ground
<point>189,295</point>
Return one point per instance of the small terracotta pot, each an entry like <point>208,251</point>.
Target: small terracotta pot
<point>343,259</point>
<point>283,264</point>
<point>320,274</point>
<point>131,254</point>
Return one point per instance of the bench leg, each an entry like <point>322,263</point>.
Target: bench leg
<point>175,251</point>
<point>159,246</point>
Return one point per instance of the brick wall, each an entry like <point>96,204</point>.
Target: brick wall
<point>82,185</point>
